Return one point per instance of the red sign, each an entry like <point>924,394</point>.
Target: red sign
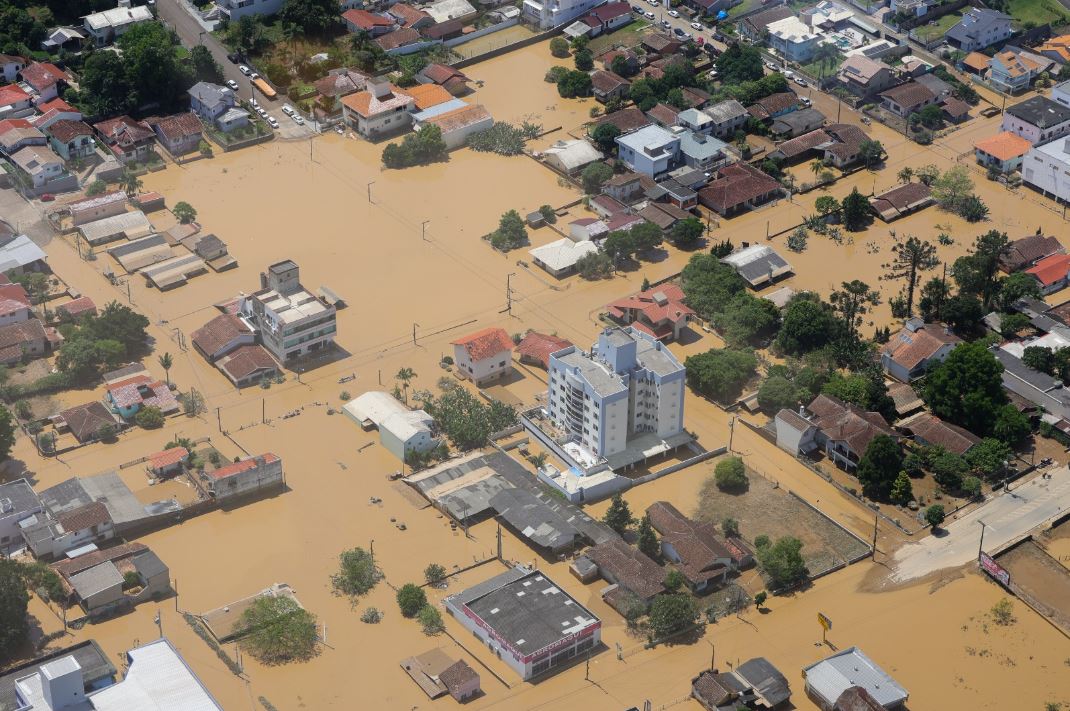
<point>994,569</point>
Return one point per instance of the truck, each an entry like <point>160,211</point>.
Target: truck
<point>264,88</point>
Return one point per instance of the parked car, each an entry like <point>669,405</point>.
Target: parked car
<point>288,110</point>
<point>232,84</point>
<point>636,9</point>
<point>234,57</point>
<point>665,24</point>
<point>273,122</point>
<point>696,26</point>
<point>799,80</point>
<point>677,31</point>
<point>244,69</point>
<point>298,120</point>
<point>673,13</point>
<point>805,101</point>
<point>648,15</point>
<point>48,197</point>
<point>261,112</point>
<point>254,103</point>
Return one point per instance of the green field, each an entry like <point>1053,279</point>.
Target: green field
<point>927,33</point>
<point>627,36</point>
<point>1038,12</point>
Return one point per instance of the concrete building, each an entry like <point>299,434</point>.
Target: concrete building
<point>234,10</point>
<point>554,13</point>
<point>829,678</point>
<point>291,321</point>
<point>979,28</point>
<point>40,165</point>
<point>248,476</point>
<point>1047,168</point>
<point>629,385</point>
<point>1037,120</point>
<point>484,356</point>
<point>18,502</point>
<point>651,150</point>
<point>401,430</point>
<point>380,110</point>
<point>916,348</point>
<point>560,257</point>
<point>458,124</point>
<point>793,39</point>
<point>533,625</point>
<point>106,26</point>
<point>1004,151</point>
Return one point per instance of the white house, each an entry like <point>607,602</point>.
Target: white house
<point>795,433</point>
<point>793,39</point>
<point>571,156</point>
<point>458,124</point>
<point>484,356</point>
<point>379,110</point>
<point>1047,168</point>
<point>651,150</point>
<point>401,430</point>
<point>247,476</point>
<point>1037,120</point>
<point>105,26</point>
<point>560,257</point>
<point>237,9</point>
<point>554,13</point>
<point>39,164</point>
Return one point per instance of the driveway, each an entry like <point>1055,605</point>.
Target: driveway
<point>190,32</point>
<point>1007,516</point>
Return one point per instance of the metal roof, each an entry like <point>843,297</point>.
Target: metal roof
<point>158,678</point>
<point>19,252</point>
<point>96,580</point>
<point>851,667</point>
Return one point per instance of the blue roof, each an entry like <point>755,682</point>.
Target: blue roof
<point>700,147</point>
<point>438,110</point>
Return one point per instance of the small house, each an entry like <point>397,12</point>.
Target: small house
<point>248,476</point>
<point>1052,273</point>
<point>907,99</point>
<point>1027,251</point>
<point>795,433</point>
<point>828,679</point>
<point>248,365</point>
<point>179,134</point>
<point>484,356</point>
<point>71,140</point>
<point>917,347</point>
<point>571,156</point>
<point>1004,151</point>
<point>167,463</point>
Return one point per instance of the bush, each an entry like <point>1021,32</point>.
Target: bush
<point>555,74</point>
<point>782,561</point>
<point>730,527</point>
<point>730,474</point>
<point>430,620</point>
<point>559,47</point>
<point>357,573</point>
<point>411,599</point>
<point>149,418</point>
<point>674,580</point>
<point>934,515</point>
<point>279,630</point>
<point>371,616</point>
<point>594,266</point>
<point>434,573</point>
<point>672,613</point>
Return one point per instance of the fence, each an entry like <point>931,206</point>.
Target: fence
<point>708,454</point>
<point>505,49</point>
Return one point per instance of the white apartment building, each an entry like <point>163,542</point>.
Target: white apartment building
<point>552,13</point>
<point>1038,119</point>
<point>291,321</point>
<point>105,26</point>
<point>237,9</point>
<point>793,39</point>
<point>1047,168</point>
<point>629,385</point>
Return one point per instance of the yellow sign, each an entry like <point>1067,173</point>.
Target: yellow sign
<point>825,622</point>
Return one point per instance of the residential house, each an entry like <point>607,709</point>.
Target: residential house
<point>14,101</point>
<point>695,548</point>
<point>452,80</point>
<point>43,80</point>
<point>604,399</point>
<point>251,475</point>
<point>234,10</point>
<point>40,165</point>
<point>1056,49</point>
<point>955,110</point>
<point>626,120</point>
<point>930,431</point>
<point>845,430</point>
<point>461,681</point>
<point>979,28</point>
<point>54,110</point>
<point>587,229</point>
<point>606,207</point>
<point>700,152</point>
<point>535,348</point>
<point>901,200</point>
<point>409,16</point>
<point>179,134</point>
<point>608,86</point>
<point>793,39</point>
<point>728,117</point>
<point>738,187</point>
<point>1013,72</point>
<point>753,27</point>
<point>398,38</point>
<point>1004,151</point>
<point>484,356</point>
<point>795,432</point>
<point>248,365</point>
<point>22,340</point>
<point>446,10</point>
<point>774,106</point>
<point>663,214</point>
<point>129,140</point>
<point>660,44</point>
<point>63,38</point>
<point>916,348</point>
<point>693,96</point>
<point>629,568</point>
<point>1027,251</point>
<point>291,321</point>
<point>571,156</point>
<point>210,101</point>
<point>1038,120</point>
<point>753,684</point>
<point>677,194</point>
<point>547,14</point>
<point>651,150</point>
<point>444,31</point>
<point>85,421</point>
<point>337,84</point>
<point>380,110</point>
<point>797,123</point>
<point>457,125</point>
<point>609,17</point>
<point>659,311</point>
<point>758,264</point>
<point>663,115</point>
<point>693,120</point>
<point>167,463</point>
<point>627,187</point>
<point>1052,273</point>
<point>18,502</point>
<point>128,396</point>
<point>631,59</point>
<point>907,99</point>
<point>106,26</point>
<point>403,432</point>
<point>15,304</point>
<point>865,77</point>
<point>372,23</point>
<point>828,679</point>
<point>18,133</point>
<point>20,254</point>
<point>10,66</point>
<point>71,140</point>
<point>76,308</point>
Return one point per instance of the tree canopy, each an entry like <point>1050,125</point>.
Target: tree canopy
<point>672,613</point>
<point>467,420</point>
<point>879,467</point>
<point>14,600</point>
<point>357,573</point>
<point>279,630</point>
<point>739,63</point>
<point>720,373</point>
<point>313,17</point>
<point>416,148</point>
<point>967,388</point>
<point>806,325</point>
<point>618,516</point>
<point>782,561</point>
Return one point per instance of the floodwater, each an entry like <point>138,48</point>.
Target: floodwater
<point>409,257</point>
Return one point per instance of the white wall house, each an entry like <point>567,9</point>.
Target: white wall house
<point>106,26</point>
<point>380,110</point>
<point>1047,168</point>
<point>484,356</point>
<point>237,9</point>
<point>793,39</point>
<point>552,13</point>
<point>292,322</point>
<point>651,150</point>
<point>1038,120</point>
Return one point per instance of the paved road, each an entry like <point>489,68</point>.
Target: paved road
<point>1007,516</point>
<point>190,32</point>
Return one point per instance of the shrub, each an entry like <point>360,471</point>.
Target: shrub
<point>411,599</point>
<point>559,47</point>
<point>279,630</point>
<point>672,613</point>
<point>434,573</point>
<point>371,616</point>
<point>730,474</point>
<point>1003,612</point>
<point>149,418</point>
<point>357,573</point>
<point>430,620</point>
<point>934,515</point>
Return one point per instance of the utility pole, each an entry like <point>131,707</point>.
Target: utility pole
<point>731,431</point>
<point>873,552</point>
<point>370,184</point>
<point>263,410</point>
<point>509,293</point>
<point>713,656</point>
<point>980,545</point>
<point>218,420</point>
<point>423,230</point>
<point>414,325</point>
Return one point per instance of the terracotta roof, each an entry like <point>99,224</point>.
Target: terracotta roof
<point>935,431</point>
<point>73,566</point>
<point>12,94</point>
<point>1051,269</point>
<point>712,689</point>
<point>911,348</point>
<point>841,421</point>
<point>94,513</point>
<point>457,675</point>
<point>459,118</point>
<point>124,130</point>
<point>428,95</point>
<point>663,114</point>
<point>657,304</point>
<point>773,104</point>
<point>367,104</point>
<point>486,343</point>
<point>10,124</point>
<point>611,11</point>
<point>440,73</point>
<point>245,361</point>
<point>900,199</point>
<point>626,120</point>
<point>736,184</point>
<point>180,126</point>
<point>857,698</point>
<point>398,38</point>
<point>57,104</point>
<point>77,307</point>
<point>342,83</point>
<point>628,567</point>
<point>85,420</point>
<point>606,81</point>
<point>538,347</point>
<point>168,457</point>
<point>442,29</point>
<point>408,14</point>
<point>800,144</point>
<point>12,298</point>
<point>661,43</point>
<point>976,61</point>
<point>366,20</point>
<point>910,94</point>
<point>66,130</point>
<point>697,544</point>
<point>1025,251</point>
<point>15,335</point>
<point>41,75</point>
<point>1004,145</point>
<point>143,390</point>
<point>242,466</point>
<point>218,332</point>
<point>905,397</point>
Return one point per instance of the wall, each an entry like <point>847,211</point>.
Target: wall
<point>489,29</point>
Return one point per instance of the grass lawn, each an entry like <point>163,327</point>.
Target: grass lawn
<point>1038,12</point>
<point>628,36</point>
<point>928,33</point>
<point>745,6</point>
<point>181,53</point>
<point>815,69</point>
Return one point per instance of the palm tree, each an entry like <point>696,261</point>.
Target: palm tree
<point>405,375</point>
<point>816,167</point>
<point>826,54</point>
<point>905,174</point>
<point>166,361</point>
<point>130,183</point>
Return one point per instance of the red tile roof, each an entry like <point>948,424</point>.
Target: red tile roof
<point>218,332</point>
<point>66,130</point>
<point>841,421</point>
<point>168,457</point>
<point>933,430</point>
<point>626,120</point>
<point>440,73</point>
<point>486,343</point>
<point>408,14</point>
<point>366,20</point>
<point>9,124</point>
<point>245,361</point>
<point>180,126</point>
<point>124,130</point>
<point>628,567</point>
<point>142,390</point>
<point>909,95</point>
<point>538,347</point>
<point>1051,269</point>
<point>92,514</point>
<point>606,81</point>
<point>611,11</point>
<point>398,38</point>
<point>697,544</point>
<point>12,94</point>
<point>910,348</point>
<point>1004,146</point>
<point>41,75</point>
<point>735,185</point>
<point>58,104</point>
<point>1027,250</point>
<point>655,305</point>
<point>85,420</point>
<point>242,466</point>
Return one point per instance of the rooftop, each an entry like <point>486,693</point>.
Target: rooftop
<point>485,343</point>
<point>244,465</point>
<point>628,567</point>
<point>563,253</point>
<point>157,678</point>
<point>1004,146</point>
<point>850,667</point>
<point>1041,112</point>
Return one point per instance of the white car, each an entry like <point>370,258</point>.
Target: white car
<point>254,103</point>
<point>799,80</point>
<point>232,84</point>
<point>788,74</point>
<point>254,75</point>
<point>273,122</point>
<point>298,120</point>
<point>805,101</point>
<point>696,26</point>
<point>244,70</point>
<point>649,15</point>
<point>288,110</point>
<point>673,13</point>
<point>261,112</point>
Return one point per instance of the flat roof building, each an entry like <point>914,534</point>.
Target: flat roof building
<point>533,625</point>
<point>292,321</point>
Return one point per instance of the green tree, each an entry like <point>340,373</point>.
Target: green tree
<point>184,212</point>
<point>977,273</point>
<point>434,573</point>
<point>674,580</point>
<point>1011,426</point>
<point>934,515</point>
<point>621,66</point>
<point>593,176</point>
<point>782,561</point>
<point>963,313</point>
<point>647,539</point>
<point>596,265</point>
<point>932,116</point>
<point>411,598</point>
<point>14,601</point>
<point>687,232</point>
<point>605,137</point>
<point>205,68</point>
<point>902,492</point>
<point>777,393</point>
<point>966,389</point>
<point>826,204</point>
<point>747,320</point>
<point>279,630</point>
<point>646,236</point>
<point>153,71</point>
<point>947,468</point>
<point>574,84</point>
<point>855,211</point>
<point>511,232</point>
<point>466,420</point>
<point>618,516</point>
<point>103,86</point>
<point>314,17</point>
<point>430,620</point>
<point>559,47</point>
<point>989,457</point>
<point>672,613</point>
<point>879,467</point>
<point>7,434</point>
<point>730,475</point>
<point>405,375</point>
<point>973,209</point>
<point>807,325</point>
<point>910,258</point>
<point>357,573</point>
<point>97,187</point>
<point>852,302</point>
<point>870,151</point>
<point>952,188</point>
<point>730,528</point>
<point>709,285</point>
<point>739,63</point>
<point>584,60</point>
<point>971,486</point>
<point>149,418</point>
<point>166,361</point>
<point>1017,286</point>
<point>1039,358</point>
<point>720,374</point>
<point>760,599</point>
<point>934,295</point>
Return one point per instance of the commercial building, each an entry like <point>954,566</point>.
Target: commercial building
<point>1037,120</point>
<point>533,625</point>
<point>291,321</point>
<point>401,430</point>
<point>629,387</point>
<point>828,679</point>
